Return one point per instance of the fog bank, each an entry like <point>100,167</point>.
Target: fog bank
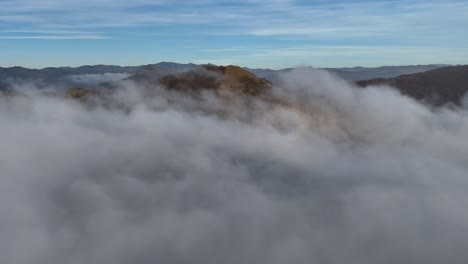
<point>338,174</point>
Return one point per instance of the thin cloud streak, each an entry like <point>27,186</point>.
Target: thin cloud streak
<point>54,37</point>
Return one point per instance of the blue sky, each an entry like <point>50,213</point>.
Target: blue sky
<point>254,33</point>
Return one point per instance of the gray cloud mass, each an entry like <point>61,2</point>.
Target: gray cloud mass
<point>347,175</point>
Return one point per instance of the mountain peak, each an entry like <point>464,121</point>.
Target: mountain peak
<point>218,78</point>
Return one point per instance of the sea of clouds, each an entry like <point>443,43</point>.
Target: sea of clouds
<point>338,174</point>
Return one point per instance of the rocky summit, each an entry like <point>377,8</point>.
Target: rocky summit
<point>217,78</point>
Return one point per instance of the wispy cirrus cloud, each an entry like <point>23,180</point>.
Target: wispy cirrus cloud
<point>338,55</point>
<point>50,34</point>
<point>222,26</point>
<point>55,37</point>
<point>257,18</point>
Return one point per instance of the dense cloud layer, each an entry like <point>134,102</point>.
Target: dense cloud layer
<point>337,175</point>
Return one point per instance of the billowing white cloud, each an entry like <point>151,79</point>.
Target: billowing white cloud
<point>337,175</point>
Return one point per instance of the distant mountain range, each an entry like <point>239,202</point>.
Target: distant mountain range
<point>437,87</point>
<point>357,73</point>
<point>64,77</point>
<point>434,84</point>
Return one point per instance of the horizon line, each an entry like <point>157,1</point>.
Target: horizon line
<point>201,64</point>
